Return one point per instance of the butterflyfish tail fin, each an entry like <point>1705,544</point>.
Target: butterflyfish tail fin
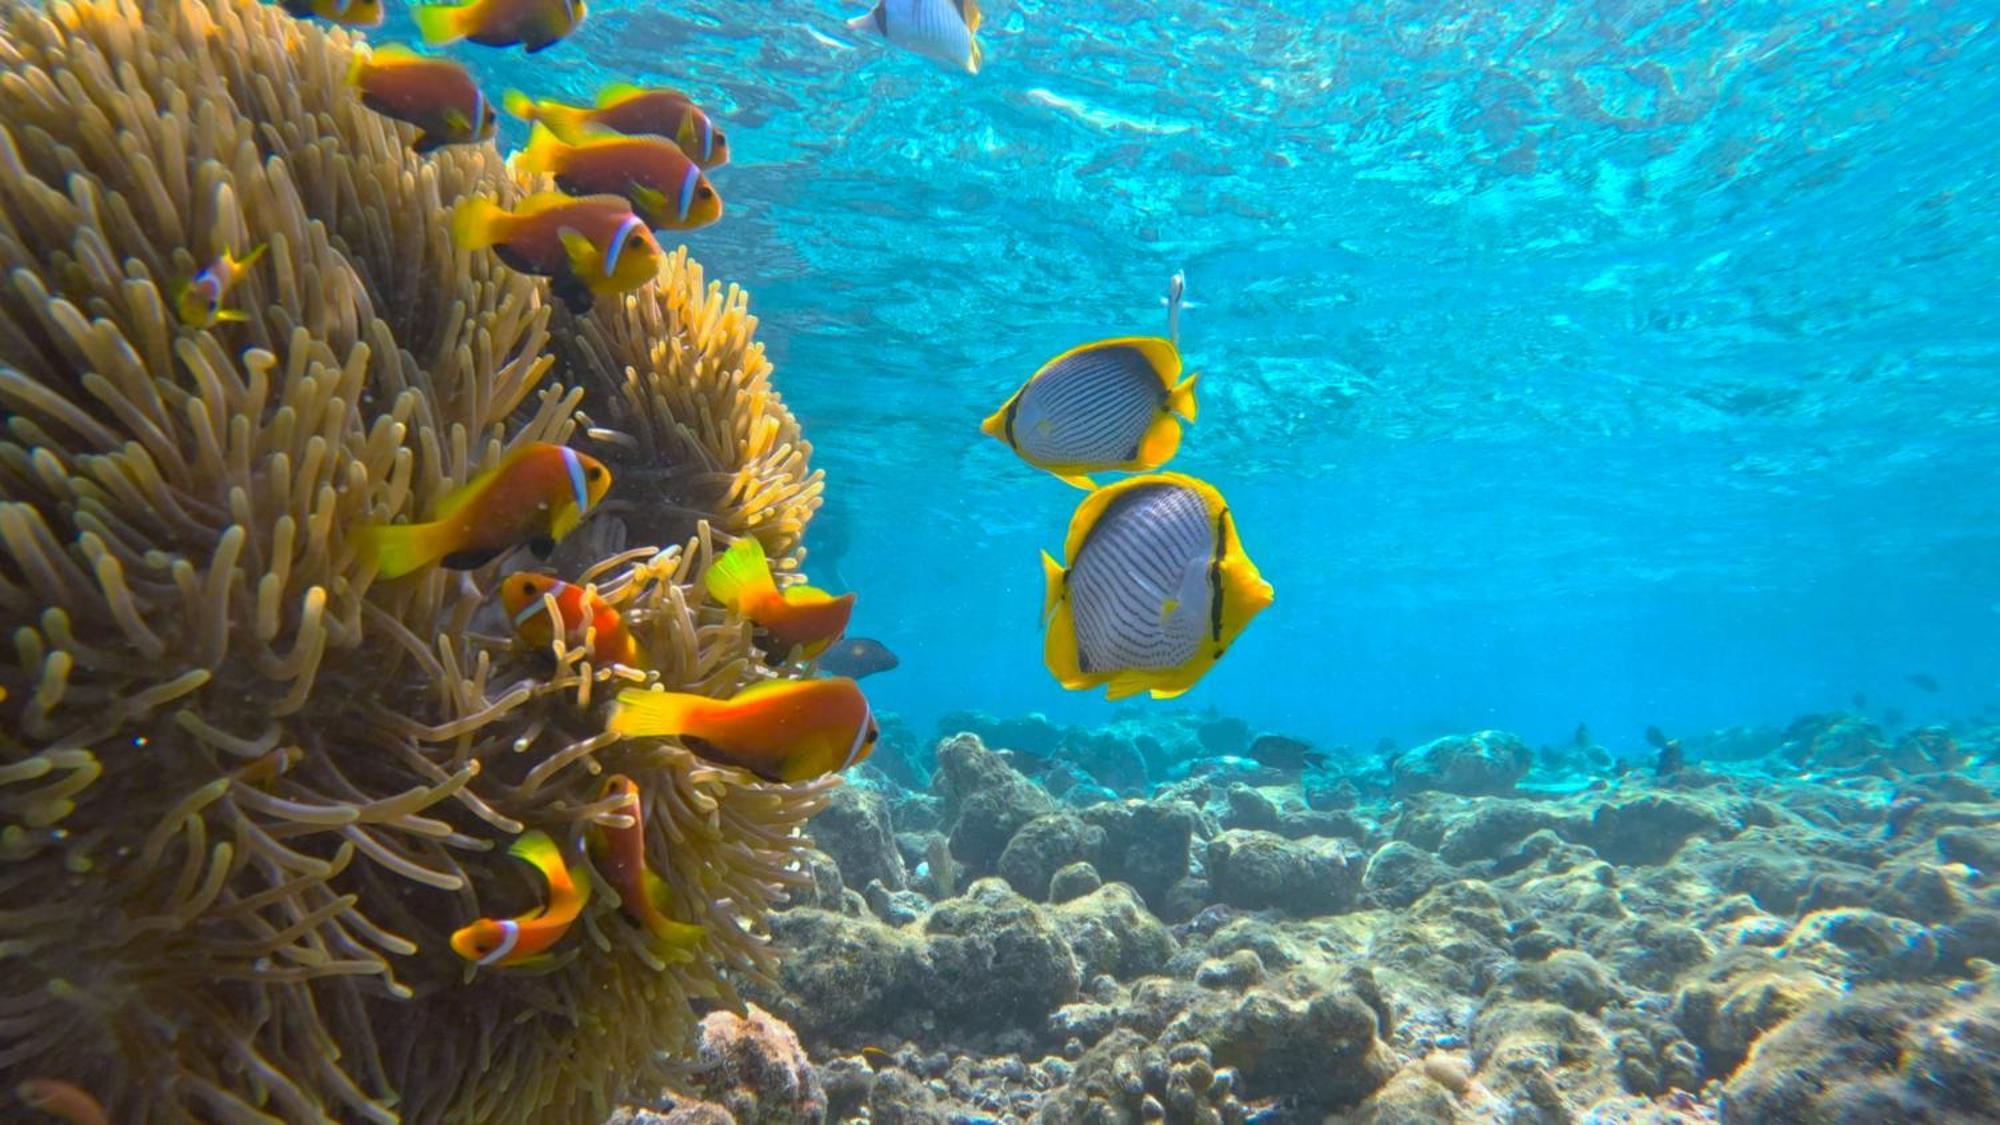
<point>477,224</point>
<point>439,23</point>
<point>742,573</point>
<point>398,549</point>
<point>1181,397</point>
<point>654,713</point>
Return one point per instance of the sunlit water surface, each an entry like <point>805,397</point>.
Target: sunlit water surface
<point>1628,363</point>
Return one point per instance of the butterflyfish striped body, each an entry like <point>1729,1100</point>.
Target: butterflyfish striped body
<point>1156,590</point>
<point>1109,405</point>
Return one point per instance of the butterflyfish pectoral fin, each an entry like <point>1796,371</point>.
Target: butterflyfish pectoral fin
<point>1161,441</point>
<point>1180,398</point>
<point>1077,480</point>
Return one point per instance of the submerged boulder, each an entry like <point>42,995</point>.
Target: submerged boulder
<point>1486,764</point>
<point>1261,870</point>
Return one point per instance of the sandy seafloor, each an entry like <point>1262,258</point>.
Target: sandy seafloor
<point>1797,925</point>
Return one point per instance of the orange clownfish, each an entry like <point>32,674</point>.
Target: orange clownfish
<point>438,96</point>
<point>590,247</point>
<point>526,939</point>
<point>582,611</point>
<point>535,495</point>
<point>780,730</point>
<point>621,856</point>
<point>199,299</point>
<point>795,616</point>
<point>533,24</point>
<point>635,112</point>
<point>665,187</point>
<point>346,13</point>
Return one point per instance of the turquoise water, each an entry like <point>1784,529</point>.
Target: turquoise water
<point>1623,363</point>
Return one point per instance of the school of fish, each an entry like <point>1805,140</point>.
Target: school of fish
<point>1156,588</point>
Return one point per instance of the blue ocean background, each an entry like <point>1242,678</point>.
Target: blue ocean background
<point>1627,363</point>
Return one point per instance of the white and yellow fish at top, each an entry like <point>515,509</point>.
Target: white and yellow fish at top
<point>946,31</point>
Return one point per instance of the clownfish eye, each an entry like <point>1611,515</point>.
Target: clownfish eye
<point>705,192</point>
<point>595,472</point>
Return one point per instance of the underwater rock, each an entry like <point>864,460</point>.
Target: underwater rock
<point>1110,932</point>
<point>1399,874</point>
<point>1857,945</point>
<point>1034,733</point>
<point>1650,952</point>
<point>999,960</point>
<point>1486,764</point>
<point>1823,742</point>
<point>898,1097</point>
<point>1462,832</point>
<point>1544,1056</point>
<point>686,1111</point>
<point>1651,828</point>
<point>1926,749</point>
<point>1124,1079</point>
<point>846,976</point>
<point>986,801</point>
<point>752,1065</point>
<point>1319,1046</point>
<point>1249,808</point>
<point>1146,843</point>
<point>899,753</point>
<point>1886,1053</point>
<point>1738,997</point>
<point>1073,881</point>
<point>855,829</point>
<point>1573,979</point>
<point>1261,871</point>
<point>1238,970</point>
<point>1978,849</point>
<point>1437,1090</point>
<point>1043,846</point>
<point>897,908</point>
<point>1116,759</point>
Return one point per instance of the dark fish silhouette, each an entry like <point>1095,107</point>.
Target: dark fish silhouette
<point>1282,753</point>
<point>1671,759</point>
<point>1582,737</point>
<point>1924,680</point>
<point>1860,701</point>
<point>856,657</point>
<point>1656,738</point>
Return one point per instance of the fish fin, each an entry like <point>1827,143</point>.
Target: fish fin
<point>652,203</point>
<point>1078,480</point>
<point>763,689</point>
<point>1054,589</point>
<point>582,254</point>
<point>740,574</point>
<point>995,424</point>
<point>654,713</point>
<point>1127,684</point>
<point>1059,648</point>
<point>543,151</point>
<point>618,93</point>
<point>394,53</point>
<point>440,23</point>
<point>538,850</point>
<point>1180,397</point>
<point>250,259</point>
<point>863,21</point>
<point>1162,441</point>
<point>681,938</point>
<point>974,58</point>
<point>397,549</point>
<point>519,105</point>
<point>567,515</point>
<point>457,120</point>
<point>357,66</point>
<point>455,501</point>
<point>231,316</point>
<point>470,559</point>
<point>968,10</point>
<point>543,201</point>
<point>428,142</point>
<point>807,595</point>
<point>478,223</point>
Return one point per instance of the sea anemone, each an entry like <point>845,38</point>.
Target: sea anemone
<point>247,790</point>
